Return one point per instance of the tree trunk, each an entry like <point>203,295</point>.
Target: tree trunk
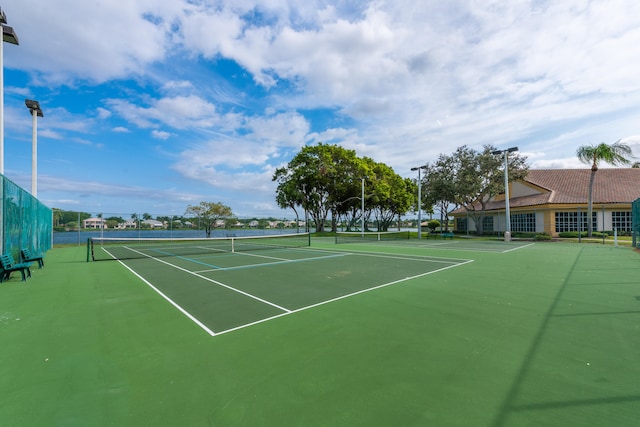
<point>590,205</point>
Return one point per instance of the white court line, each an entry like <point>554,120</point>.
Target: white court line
<point>173,303</point>
<point>410,258</point>
<point>519,247</point>
<point>214,281</point>
<point>403,257</point>
<point>428,245</point>
<point>440,247</point>
<point>341,297</point>
<point>265,264</point>
<point>462,249</point>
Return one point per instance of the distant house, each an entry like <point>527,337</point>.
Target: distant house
<point>553,201</point>
<point>254,223</point>
<point>127,224</point>
<point>154,223</point>
<point>94,223</point>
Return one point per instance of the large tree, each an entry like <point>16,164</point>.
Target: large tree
<point>208,213</point>
<point>316,179</point>
<point>470,178</point>
<point>327,179</point>
<point>617,153</point>
<point>391,195</point>
<point>439,187</point>
<point>480,177</point>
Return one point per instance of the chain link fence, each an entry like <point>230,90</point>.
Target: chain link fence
<point>26,222</point>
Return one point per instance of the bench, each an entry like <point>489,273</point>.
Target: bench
<point>27,256</point>
<point>9,265</point>
<point>448,235</point>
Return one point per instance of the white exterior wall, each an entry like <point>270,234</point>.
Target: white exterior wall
<point>94,223</point>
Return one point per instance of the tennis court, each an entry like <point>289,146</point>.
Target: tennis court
<point>230,283</point>
<point>362,334</point>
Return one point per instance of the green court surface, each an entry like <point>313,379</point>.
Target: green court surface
<point>416,333</point>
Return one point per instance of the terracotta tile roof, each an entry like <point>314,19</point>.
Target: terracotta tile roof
<point>571,186</point>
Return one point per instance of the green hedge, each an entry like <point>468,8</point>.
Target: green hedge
<point>575,234</point>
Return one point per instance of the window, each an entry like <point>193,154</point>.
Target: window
<point>621,221</point>
<point>487,223</point>
<point>461,224</point>
<point>524,222</point>
<point>568,221</point>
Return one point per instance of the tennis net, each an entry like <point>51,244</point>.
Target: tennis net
<point>369,236</point>
<point>106,248</point>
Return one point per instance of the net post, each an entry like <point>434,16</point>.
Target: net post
<point>88,249</point>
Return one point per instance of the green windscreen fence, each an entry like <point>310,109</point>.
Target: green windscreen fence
<point>26,222</point>
<point>635,221</point>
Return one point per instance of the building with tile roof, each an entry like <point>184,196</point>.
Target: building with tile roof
<point>552,201</point>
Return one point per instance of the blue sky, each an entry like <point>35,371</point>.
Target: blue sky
<point>152,105</point>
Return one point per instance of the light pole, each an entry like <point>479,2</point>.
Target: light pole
<point>419,168</point>
<point>34,108</point>
<point>9,36</point>
<point>507,232</point>
<point>363,178</point>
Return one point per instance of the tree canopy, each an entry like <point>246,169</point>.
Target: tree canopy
<point>208,213</point>
<point>469,179</point>
<point>617,153</point>
<point>325,179</point>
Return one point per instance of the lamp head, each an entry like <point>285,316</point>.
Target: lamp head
<point>508,150</point>
<point>9,35</point>
<point>34,106</point>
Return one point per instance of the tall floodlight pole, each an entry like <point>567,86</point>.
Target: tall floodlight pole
<point>9,36</point>
<point>419,168</point>
<point>36,111</point>
<point>363,178</point>
<point>507,232</point>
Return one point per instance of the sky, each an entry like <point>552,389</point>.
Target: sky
<point>153,105</point>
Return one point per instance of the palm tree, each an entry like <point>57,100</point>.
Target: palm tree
<point>614,154</point>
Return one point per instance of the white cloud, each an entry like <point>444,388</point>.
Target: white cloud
<point>284,129</point>
<point>95,41</point>
<point>177,85</point>
<point>403,80</point>
<point>158,134</point>
<point>48,133</point>
<point>22,91</point>
<point>103,113</point>
<point>334,135</point>
<point>179,112</point>
<point>174,199</point>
